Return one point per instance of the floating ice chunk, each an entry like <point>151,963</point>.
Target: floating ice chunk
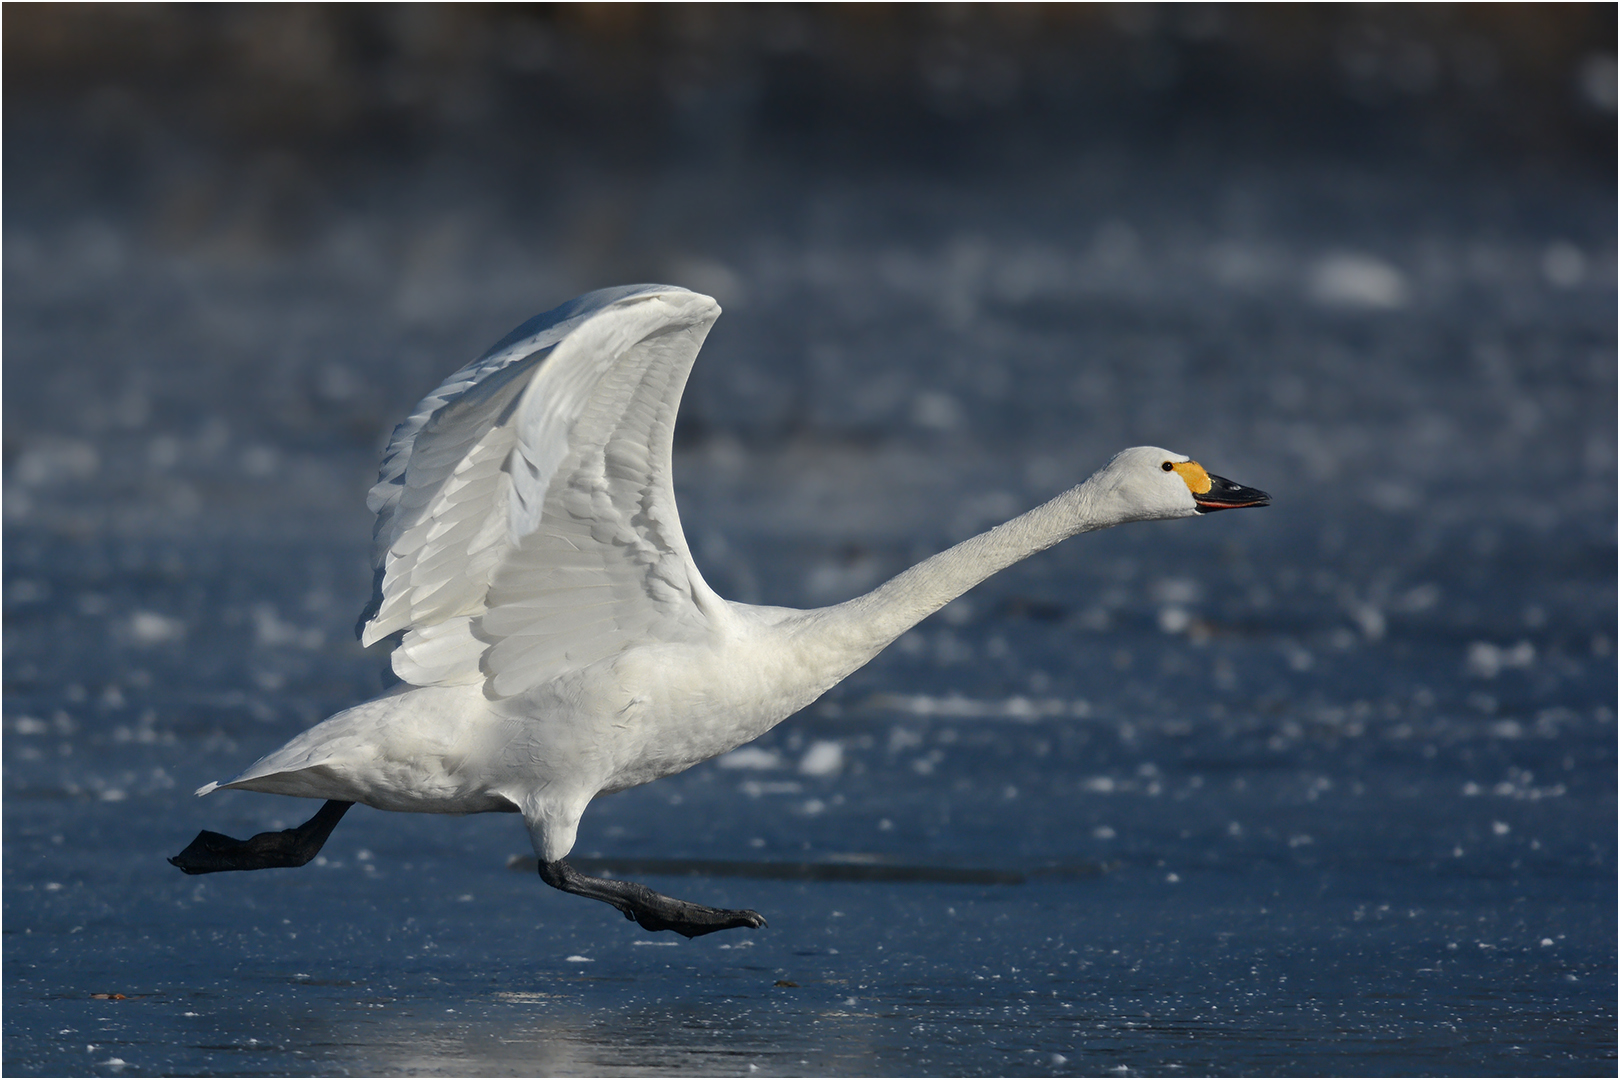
<point>1356,280</point>
<point>1368,619</point>
<point>750,757</point>
<point>1597,81</point>
<point>824,758</point>
<point>26,591</point>
<point>269,629</point>
<point>1419,598</point>
<point>903,739</point>
<point>957,707</point>
<point>754,789</point>
<point>1486,660</point>
<point>1299,657</point>
<point>260,461</point>
<point>55,460</point>
<point>150,628</point>
<point>936,411</point>
<point>1563,265</point>
<point>1174,619</point>
<point>1177,590</point>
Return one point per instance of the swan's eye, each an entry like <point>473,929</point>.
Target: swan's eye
<point>1167,466</point>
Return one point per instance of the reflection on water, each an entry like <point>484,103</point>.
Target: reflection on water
<point>717,1035</point>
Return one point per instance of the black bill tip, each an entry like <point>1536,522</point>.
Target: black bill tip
<point>1225,495</point>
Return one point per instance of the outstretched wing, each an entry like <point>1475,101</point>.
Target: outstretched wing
<point>526,520</point>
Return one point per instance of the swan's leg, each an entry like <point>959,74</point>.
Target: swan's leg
<point>652,910</point>
<point>213,851</point>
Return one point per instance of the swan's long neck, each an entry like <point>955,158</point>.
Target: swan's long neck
<point>861,628</point>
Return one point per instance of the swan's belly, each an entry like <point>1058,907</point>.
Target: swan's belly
<point>416,793</point>
<point>686,704</point>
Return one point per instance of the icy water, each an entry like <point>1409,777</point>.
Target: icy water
<point>1324,788</point>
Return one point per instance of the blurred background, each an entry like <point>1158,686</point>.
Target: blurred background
<point>1362,257</point>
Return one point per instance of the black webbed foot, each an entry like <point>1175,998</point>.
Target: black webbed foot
<point>651,910</point>
<point>212,852</point>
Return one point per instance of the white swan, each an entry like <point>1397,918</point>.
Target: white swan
<point>558,642</point>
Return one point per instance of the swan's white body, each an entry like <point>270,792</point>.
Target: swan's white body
<point>558,640</point>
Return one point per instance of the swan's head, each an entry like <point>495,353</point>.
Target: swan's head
<point>1146,483</point>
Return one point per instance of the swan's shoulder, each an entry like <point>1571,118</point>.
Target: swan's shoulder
<point>526,520</point>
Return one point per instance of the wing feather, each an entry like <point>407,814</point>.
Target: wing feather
<point>526,519</point>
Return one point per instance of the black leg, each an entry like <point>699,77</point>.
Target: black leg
<point>654,911</point>
<point>212,851</point>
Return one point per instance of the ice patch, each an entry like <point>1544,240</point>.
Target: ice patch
<point>150,628</point>
<point>754,788</point>
<point>271,631</point>
<point>1486,661</point>
<point>750,757</point>
<point>824,758</point>
<point>1597,81</point>
<point>936,411</point>
<point>1563,265</point>
<point>54,461</point>
<point>956,707</point>
<point>1176,590</point>
<point>1354,280</point>
<point>1174,620</point>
